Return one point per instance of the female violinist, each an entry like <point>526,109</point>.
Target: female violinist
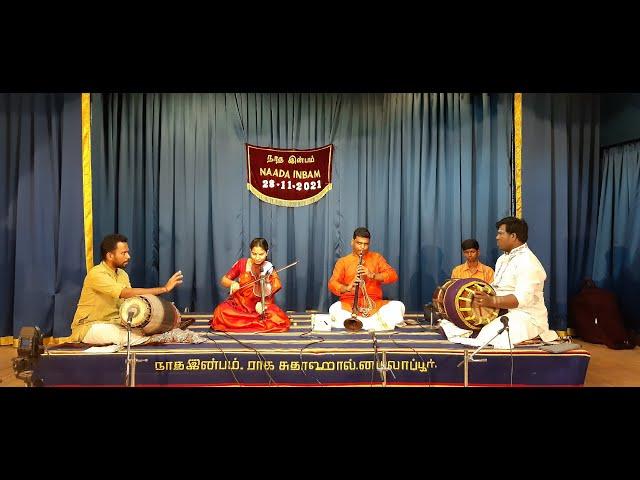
<point>244,310</point>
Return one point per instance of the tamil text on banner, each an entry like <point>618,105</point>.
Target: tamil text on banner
<point>288,177</point>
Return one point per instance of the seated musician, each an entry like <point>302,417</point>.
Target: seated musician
<point>97,319</point>
<point>519,285</point>
<point>473,267</point>
<point>244,310</point>
<point>368,274</point>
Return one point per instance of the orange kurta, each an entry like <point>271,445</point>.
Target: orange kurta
<point>345,271</point>
<point>234,315</point>
<point>482,272</point>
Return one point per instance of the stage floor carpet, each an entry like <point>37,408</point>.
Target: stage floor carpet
<point>411,355</point>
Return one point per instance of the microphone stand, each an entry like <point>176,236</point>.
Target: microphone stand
<point>469,358</point>
<point>128,382</point>
<point>430,307</point>
<point>383,365</point>
<point>506,327</point>
<point>130,375</point>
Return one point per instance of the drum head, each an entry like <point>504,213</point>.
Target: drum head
<point>150,313</point>
<point>453,300</point>
<point>140,309</point>
<point>458,306</point>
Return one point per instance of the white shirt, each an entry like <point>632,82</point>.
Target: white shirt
<point>521,274</point>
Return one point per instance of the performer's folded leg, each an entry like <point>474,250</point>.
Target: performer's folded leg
<point>108,333</point>
<point>386,318</point>
<point>520,329</point>
<point>392,314</point>
<point>227,318</point>
<point>338,315</point>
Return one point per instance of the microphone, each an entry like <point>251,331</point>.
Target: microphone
<point>132,311</point>
<point>505,321</point>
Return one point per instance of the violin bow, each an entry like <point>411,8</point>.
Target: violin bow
<point>276,271</point>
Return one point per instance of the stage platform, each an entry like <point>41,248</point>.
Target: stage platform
<point>408,356</point>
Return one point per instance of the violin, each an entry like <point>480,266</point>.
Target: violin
<point>251,291</point>
<point>249,298</point>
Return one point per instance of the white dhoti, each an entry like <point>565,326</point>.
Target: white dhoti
<point>386,318</point>
<point>109,333</point>
<point>521,328</point>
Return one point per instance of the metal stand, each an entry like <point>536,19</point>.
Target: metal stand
<point>428,310</point>
<point>469,358</point>
<point>383,368</point>
<point>130,376</point>
<point>466,367</point>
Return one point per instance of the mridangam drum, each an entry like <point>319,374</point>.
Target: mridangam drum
<point>150,313</point>
<point>453,300</point>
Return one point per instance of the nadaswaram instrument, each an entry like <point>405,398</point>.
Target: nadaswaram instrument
<point>361,306</point>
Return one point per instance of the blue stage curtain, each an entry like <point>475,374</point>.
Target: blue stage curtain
<point>560,175</point>
<point>421,171</point>
<point>617,252</point>
<point>41,219</point>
